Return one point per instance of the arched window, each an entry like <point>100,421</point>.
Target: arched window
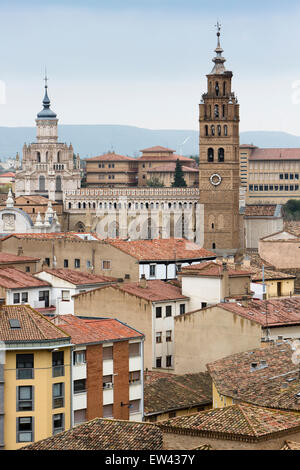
<point>221,155</point>
<point>225,131</point>
<point>212,130</point>
<point>224,88</point>
<point>216,110</point>
<point>217,88</point>
<point>206,130</point>
<point>46,157</point>
<point>210,155</point>
<point>58,183</point>
<point>79,227</point>
<point>224,111</point>
<point>219,131</point>
<point>38,157</point>
<point>70,205</point>
<point>213,246</point>
<point>58,157</point>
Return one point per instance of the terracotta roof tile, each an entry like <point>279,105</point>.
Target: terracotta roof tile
<point>262,210</point>
<point>264,376</point>
<point>162,249</point>
<point>157,148</point>
<point>238,421</point>
<point>6,258</point>
<point>33,325</point>
<point>110,156</point>
<point>12,278</point>
<point>275,154</point>
<point>104,434</point>
<point>84,331</point>
<point>79,277</point>
<point>212,268</point>
<point>188,391</point>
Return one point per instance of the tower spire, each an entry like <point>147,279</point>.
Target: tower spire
<point>46,112</point>
<point>219,59</point>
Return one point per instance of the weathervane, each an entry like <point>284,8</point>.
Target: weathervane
<point>46,78</point>
<point>218,26</point>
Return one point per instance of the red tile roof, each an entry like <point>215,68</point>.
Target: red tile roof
<point>154,291</point>
<point>8,258</point>
<point>85,331</point>
<point>110,156</point>
<point>50,236</point>
<point>79,277</point>
<point>237,422</point>
<point>272,312</point>
<point>7,174</point>
<point>157,148</point>
<point>211,268</point>
<point>167,249</point>
<point>12,278</point>
<point>260,210</point>
<point>275,154</point>
<point>33,325</point>
<point>104,434</point>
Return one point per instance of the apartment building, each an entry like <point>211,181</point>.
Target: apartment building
<point>148,306</point>
<point>111,170</point>
<point>35,378</point>
<point>107,371</point>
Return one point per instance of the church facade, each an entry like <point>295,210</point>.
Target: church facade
<point>48,166</point>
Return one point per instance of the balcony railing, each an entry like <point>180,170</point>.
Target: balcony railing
<point>58,371</point>
<point>26,373</point>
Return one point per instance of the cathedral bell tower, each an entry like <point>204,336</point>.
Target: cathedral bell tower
<point>219,179</point>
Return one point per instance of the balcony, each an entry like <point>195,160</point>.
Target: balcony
<point>58,371</point>
<point>24,374</point>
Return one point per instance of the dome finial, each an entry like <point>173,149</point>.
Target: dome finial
<point>46,112</point>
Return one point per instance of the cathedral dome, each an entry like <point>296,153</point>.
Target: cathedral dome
<point>46,112</point>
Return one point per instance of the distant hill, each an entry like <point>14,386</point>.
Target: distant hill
<point>91,140</point>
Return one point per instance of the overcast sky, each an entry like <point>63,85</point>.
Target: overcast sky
<point>143,62</point>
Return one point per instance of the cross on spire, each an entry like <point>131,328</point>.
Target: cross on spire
<point>46,79</point>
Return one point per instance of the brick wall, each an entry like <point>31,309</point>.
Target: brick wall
<point>121,379</point>
<point>94,382</point>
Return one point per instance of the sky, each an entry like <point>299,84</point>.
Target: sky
<point>144,62</point>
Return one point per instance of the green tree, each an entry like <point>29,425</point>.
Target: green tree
<point>155,182</point>
<point>179,181</point>
<point>291,210</point>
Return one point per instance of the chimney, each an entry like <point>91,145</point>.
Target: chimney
<point>143,281</point>
<point>225,281</point>
<point>246,262</point>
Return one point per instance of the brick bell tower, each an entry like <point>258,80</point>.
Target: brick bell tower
<point>219,178</point>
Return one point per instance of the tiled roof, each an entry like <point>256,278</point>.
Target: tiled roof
<point>293,227</point>
<point>272,312</point>
<point>50,236</point>
<point>157,148</point>
<point>290,445</point>
<point>8,174</point>
<point>12,278</point>
<point>170,168</point>
<point>33,325</point>
<point>213,269</point>
<point>204,447</point>
<point>257,275</point>
<point>35,200</point>
<point>110,156</point>
<point>275,154</point>
<point>6,258</point>
<point>104,434</point>
<point>162,249</point>
<point>79,277</point>
<point>188,390</point>
<point>261,210</point>
<point>236,422</point>
<point>265,376</point>
<point>84,331</point>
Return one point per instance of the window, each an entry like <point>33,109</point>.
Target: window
<point>58,423</point>
<point>107,381</point>
<point>182,309</point>
<point>281,176</point>
<point>25,398</point>
<point>286,188</point>
<point>286,176</point>
<point>158,312</point>
<point>107,353</point>
<point>25,429</point>
<point>291,176</point>
<point>24,297</point>
<point>78,357</point>
<point>168,336</point>
<point>152,270</point>
<point>58,364</point>
<point>221,154</point>
<point>66,263</point>
<point>250,187</point>
<point>281,187</point>
<point>291,187</point>
<point>261,188</point>
<point>47,261</point>
<point>77,263</point>
<point>135,377</point>
<point>296,187</point>
<point>225,131</point>
<point>79,416</point>
<point>16,298</point>
<point>44,297</point>
<point>135,406</point>
<point>58,395</point>
<point>172,414</point>
<point>65,295</point>
<point>271,187</point>
<point>108,411</point>
<point>210,155</point>
<point>216,110</point>
<point>27,269</point>
<point>79,386</point>
<point>276,187</point>
<point>203,304</point>
<point>168,361</point>
<point>296,176</point>
<point>168,310</point>
<point>134,350</point>
<point>158,337</point>
<point>213,246</point>
<point>24,366</point>
<point>106,264</point>
<point>158,362</point>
